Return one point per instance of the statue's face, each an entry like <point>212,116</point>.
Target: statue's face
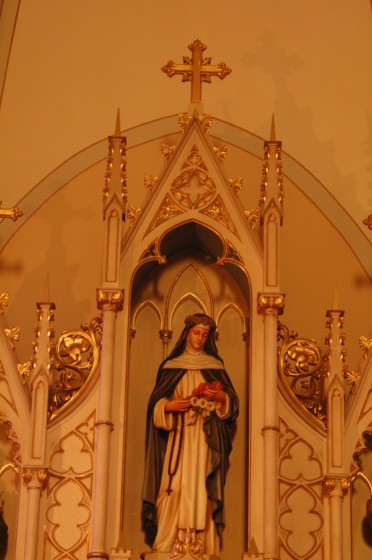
<point>197,337</point>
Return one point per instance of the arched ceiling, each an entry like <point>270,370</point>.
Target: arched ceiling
<point>66,67</point>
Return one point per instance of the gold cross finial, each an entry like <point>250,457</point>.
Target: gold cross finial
<point>13,213</point>
<point>197,69</point>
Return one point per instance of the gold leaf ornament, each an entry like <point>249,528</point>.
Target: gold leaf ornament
<point>24,370</point>
<point>13,335</point>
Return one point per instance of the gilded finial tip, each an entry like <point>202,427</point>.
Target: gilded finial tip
<point>117,125</point>
<point>272,133</point>
<point>47,289</point>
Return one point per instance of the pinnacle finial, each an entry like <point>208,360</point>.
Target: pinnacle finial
<point>335,298</point>
<point>47,289</point>
<point>272,133</point>
<point>117,125</point>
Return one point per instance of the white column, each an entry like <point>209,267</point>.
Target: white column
<point>270,434</point>
<point>336,489</point>
<point>270,305</point>
<point>110,302</point>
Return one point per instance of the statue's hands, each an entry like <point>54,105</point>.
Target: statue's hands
<point>216,395</point>
<point>177,405</point>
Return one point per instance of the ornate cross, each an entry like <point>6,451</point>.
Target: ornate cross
<point>197,69</point>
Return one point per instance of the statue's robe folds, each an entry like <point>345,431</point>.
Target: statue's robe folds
<point>207,444</point>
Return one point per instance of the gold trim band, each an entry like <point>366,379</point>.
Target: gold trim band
<point>104,423</point>
<point>273,428</point>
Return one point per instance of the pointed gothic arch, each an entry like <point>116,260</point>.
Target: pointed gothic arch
<point>186,275</point>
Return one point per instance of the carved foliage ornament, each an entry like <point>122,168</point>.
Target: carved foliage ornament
<point>271,304</point>
<point>368,221</point>
<point>218,211</point>
<point>220,152</point>
<point>183,120</point>
<point>168,209</point>
<point>13,335</point>
<point>132,214</point>
<point>236,184</point>
<point>252,217</point>
<point>25,369</point>
<point>265,173</point>
<point>4,301</point>
<point>352,378</point>
<point>122,163</point>
<point>111,300</point>
<point>76,359</point>
<point>189,546</point>
<point>167,151</point>
<point>35,475</point>
<point>10,439</point>
<point>206,122</point>
<point>150,182</point>
<point>365,345</point>
<point>301,369</point>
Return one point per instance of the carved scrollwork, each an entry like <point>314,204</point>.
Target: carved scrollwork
<point>77,356</point>
<point>189,546</point>
<point>301,369</point>
<point>230,254</point>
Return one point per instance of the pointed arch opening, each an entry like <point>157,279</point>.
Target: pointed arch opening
<point>190,268</point>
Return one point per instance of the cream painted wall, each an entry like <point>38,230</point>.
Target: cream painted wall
<point>71,65</point>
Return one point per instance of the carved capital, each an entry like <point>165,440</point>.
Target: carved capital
<point>100,555</point>
<point>336,486</point>
<point>111,300</point>
<point>35,476</point>
<point>270,304</point>
<point>165,335</point>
